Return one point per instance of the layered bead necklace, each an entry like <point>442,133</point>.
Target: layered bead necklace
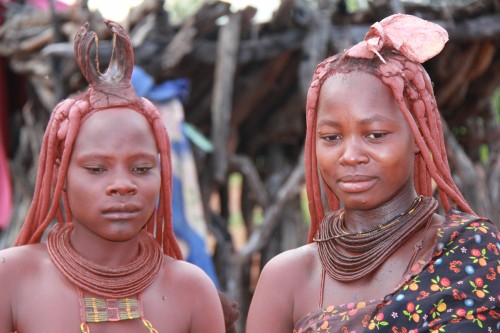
<point>371,248</point>
<point>119,287</point>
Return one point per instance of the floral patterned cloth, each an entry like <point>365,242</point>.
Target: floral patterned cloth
<point>457,291</point>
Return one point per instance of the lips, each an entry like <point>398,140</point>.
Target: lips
<point>356,183</point>
<point>121,211</point>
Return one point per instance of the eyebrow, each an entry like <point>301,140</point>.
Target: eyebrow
<point>375,119</point>
<point>107,157</point>
<point>364,121</point>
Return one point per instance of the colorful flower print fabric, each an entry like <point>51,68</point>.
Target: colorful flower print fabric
<point>457,291</point>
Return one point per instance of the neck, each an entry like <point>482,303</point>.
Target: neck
<point>107,278</point>
<point>364,220</point>
<point>102,251</point>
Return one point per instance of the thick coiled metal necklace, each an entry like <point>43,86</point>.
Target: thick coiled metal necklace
<point>370,248</point>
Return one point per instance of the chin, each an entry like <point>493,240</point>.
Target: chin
<point>358,201</point>
<point>121,235</point>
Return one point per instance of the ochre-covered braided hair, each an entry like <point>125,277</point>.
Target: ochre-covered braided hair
<point>392,51</point>
<point>106,90</point>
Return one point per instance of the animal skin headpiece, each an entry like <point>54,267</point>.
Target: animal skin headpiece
<point>106,90</point>
<point>392,50</point>
<point>416,39</point>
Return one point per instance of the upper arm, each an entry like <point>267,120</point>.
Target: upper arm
<point>5,306</point>
<point>204,302</point>
<point>271,309</point>
<point>7,286</point>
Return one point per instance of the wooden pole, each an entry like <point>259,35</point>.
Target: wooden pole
<point>222,100</point>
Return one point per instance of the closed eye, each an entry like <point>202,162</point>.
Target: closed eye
<point>141,170</point>
<point>95,170</point>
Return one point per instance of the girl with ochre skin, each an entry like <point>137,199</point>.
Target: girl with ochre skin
<point>110,264</point>
<point>373,158</point>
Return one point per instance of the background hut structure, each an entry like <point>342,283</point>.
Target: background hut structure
<point>248,87</point>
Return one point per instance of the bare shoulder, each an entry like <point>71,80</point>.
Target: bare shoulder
<point>21,259</point>
<point>192,292</point>
<point>183,273</point>
<point>184,279</point>
<point>293,275</point>
<point>299,261</point>
<point>18,267</point>
<point>280,288</point>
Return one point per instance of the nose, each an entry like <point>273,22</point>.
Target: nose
<point>353,152</point>
<point>121,185</point>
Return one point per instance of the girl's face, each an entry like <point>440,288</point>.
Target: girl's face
<point>113,177</point>
<point>364,146</point>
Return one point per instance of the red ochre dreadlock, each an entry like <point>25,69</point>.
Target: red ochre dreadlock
<point>108,90</point>
<point>412,88</point>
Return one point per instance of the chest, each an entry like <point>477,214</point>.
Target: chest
<point>374,287</point>
<point>51,304</point>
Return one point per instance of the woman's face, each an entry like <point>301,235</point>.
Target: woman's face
<point>113,176</point>
<point>364,146</point>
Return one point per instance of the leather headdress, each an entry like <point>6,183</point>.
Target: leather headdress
<point>112,88</point>
<point>415,38</point>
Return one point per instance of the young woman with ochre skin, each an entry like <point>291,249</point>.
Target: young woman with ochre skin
<point>379,257</point>
<point>111,262</point>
